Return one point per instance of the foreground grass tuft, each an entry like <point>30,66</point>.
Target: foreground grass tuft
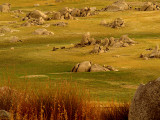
<point>67,103</point>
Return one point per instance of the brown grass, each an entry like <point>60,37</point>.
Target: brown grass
<point>67,103</point>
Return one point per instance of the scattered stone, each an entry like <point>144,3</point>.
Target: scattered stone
<point>5,30</point>
<point>4,115</point>
<point>119,5</point>
<point>5,7</point>
<point>145,103</point>
<point>87,66</point>
<point>103,22</point>
<point>42,32</point>
<point>117,23</point>
<point>82,67</point>
<point>103,45</point>
<point>98,68</point>
<point>149,6</point>
<point>15,39</point>
<point>17,12</point>
<point>154,54</point>
<point>61,24</point>
<point>110,68</point>
<point>68,13</point>
<point>37,14</point>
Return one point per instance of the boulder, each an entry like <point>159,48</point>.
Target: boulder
<point>117,23</point>
<point>5,7</point>
<point>56,16</point>
<point>85,38</point>
<point>118,6</point>
<point>5,30</point>
<point>110,68</point>
<point>96,49</point>
<point>42,32</point>
<point>98,68</point>
<point>145,103</point>
<point>4,115</point>
<point>37,14</point>
<point>126,39</point>
<point>148,6</point>
<point>82,67</point>
<point>15,39</point>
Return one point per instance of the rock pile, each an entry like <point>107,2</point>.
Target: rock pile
<point>117,23</point>
<point>42,32</point>
<point>145,103</point>
<point>35,17</point>
<point>33,21</point>
<point>87,66</point>
<point>154,54</point>
<point>68,13</point>
<point>149,6</point>
<point>6,7</point>
<point>119,5</point>
<point>103,45</point>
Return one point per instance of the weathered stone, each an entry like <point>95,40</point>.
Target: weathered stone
<point>145,103</point>
<point>5,7</point>
<point>98,68</point>
<point>42,32</point>
<point>37,14</point>
<point>84,66</point>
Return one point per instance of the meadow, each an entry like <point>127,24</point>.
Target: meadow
<point>34,56</point>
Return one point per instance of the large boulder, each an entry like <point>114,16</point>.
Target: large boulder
<point>82,67</point>
<point>85,38</point>
<point>148,6</point>
<point>146,101</point>
<point>118,6</point>
<point>37,14</point>
<point>5,7</point>
<point>4,115</point>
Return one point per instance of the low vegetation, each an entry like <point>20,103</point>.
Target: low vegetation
<point>66,103</point>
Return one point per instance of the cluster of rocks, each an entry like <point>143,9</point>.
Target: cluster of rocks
<point>87,66</point>
<point>71,13</point>
<point>103,45</point>
<point>154,54</point>
<point>42,32</point>
<point>117,23</point>
<point>149,6</point>
<point>119,5</point>
<point>6,7</point>
<point>35,17</point>
<point>145,103</point>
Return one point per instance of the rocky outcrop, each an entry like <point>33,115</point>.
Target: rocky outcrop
<point>87,66</point>
<point>117,23</point>
<point>119,5</point>
<point>154,54</point>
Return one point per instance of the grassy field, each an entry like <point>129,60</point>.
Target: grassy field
<point>34,56</point>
